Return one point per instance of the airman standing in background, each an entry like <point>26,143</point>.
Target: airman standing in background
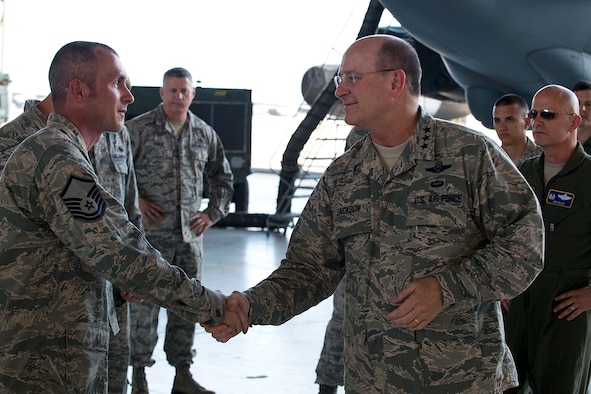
<point>510,119</point>
<point>582,90</point>
<point>174,151</point>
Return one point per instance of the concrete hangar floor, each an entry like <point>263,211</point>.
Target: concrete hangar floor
<point>267,359</point>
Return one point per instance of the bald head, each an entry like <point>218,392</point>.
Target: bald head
<point>562,97</point>
<point>388,52</point>
<point>379,85</point>
<point>554,127</point>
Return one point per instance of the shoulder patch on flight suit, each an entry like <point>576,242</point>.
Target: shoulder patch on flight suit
<point>83,199</point>
<point>560,198</point>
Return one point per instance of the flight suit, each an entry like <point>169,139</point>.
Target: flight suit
<point>555,354</point>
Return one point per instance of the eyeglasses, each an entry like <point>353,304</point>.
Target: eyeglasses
<point>546,114</point>
<point>350,78</point>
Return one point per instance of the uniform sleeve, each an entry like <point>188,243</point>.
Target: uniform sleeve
<point>133,133</point>
<point>310,272</point>
<point>94,226</point>
<point>220,180</point>
<point>506,210</point>
<point>131,193</point>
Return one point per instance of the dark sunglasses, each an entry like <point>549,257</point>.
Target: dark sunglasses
<point>545,114</point>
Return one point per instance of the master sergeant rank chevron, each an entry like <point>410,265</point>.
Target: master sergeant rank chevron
<point>83,199</point>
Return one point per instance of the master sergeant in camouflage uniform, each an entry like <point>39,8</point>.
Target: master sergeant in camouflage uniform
<point>113,161</point>
<point>64,239</point>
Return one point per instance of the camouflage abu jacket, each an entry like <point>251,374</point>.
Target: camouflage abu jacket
<point>62,238</point>
<point>111,157</point>
<point>170,171</point>
<point>15,131</point>
<point>455,208</point>
<point>531,150</point>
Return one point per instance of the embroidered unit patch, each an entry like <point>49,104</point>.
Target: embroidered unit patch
<point>560,198</point>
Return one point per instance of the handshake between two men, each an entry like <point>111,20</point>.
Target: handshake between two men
<point>235,318</point>
<point>415,307</point>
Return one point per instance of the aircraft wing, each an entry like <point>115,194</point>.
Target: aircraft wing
<point>495,47</point>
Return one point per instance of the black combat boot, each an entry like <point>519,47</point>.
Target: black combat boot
<point>139,384</point>
<point>185,384</point>
<point>324,389</point>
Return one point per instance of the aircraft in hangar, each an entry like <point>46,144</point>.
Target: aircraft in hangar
<point>472,53</point>
<point>495,47</point>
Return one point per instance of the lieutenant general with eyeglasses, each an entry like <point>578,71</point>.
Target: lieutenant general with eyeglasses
<point>432,225</point>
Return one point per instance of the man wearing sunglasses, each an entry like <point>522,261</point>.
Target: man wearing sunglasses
<point>548,326</point>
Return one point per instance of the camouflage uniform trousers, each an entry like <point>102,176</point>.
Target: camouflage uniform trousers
<point>118,355</point>
<point>143,334</point>
<point>330,368</point>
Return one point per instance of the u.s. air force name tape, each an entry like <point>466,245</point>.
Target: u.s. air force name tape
<point>83,199</point>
